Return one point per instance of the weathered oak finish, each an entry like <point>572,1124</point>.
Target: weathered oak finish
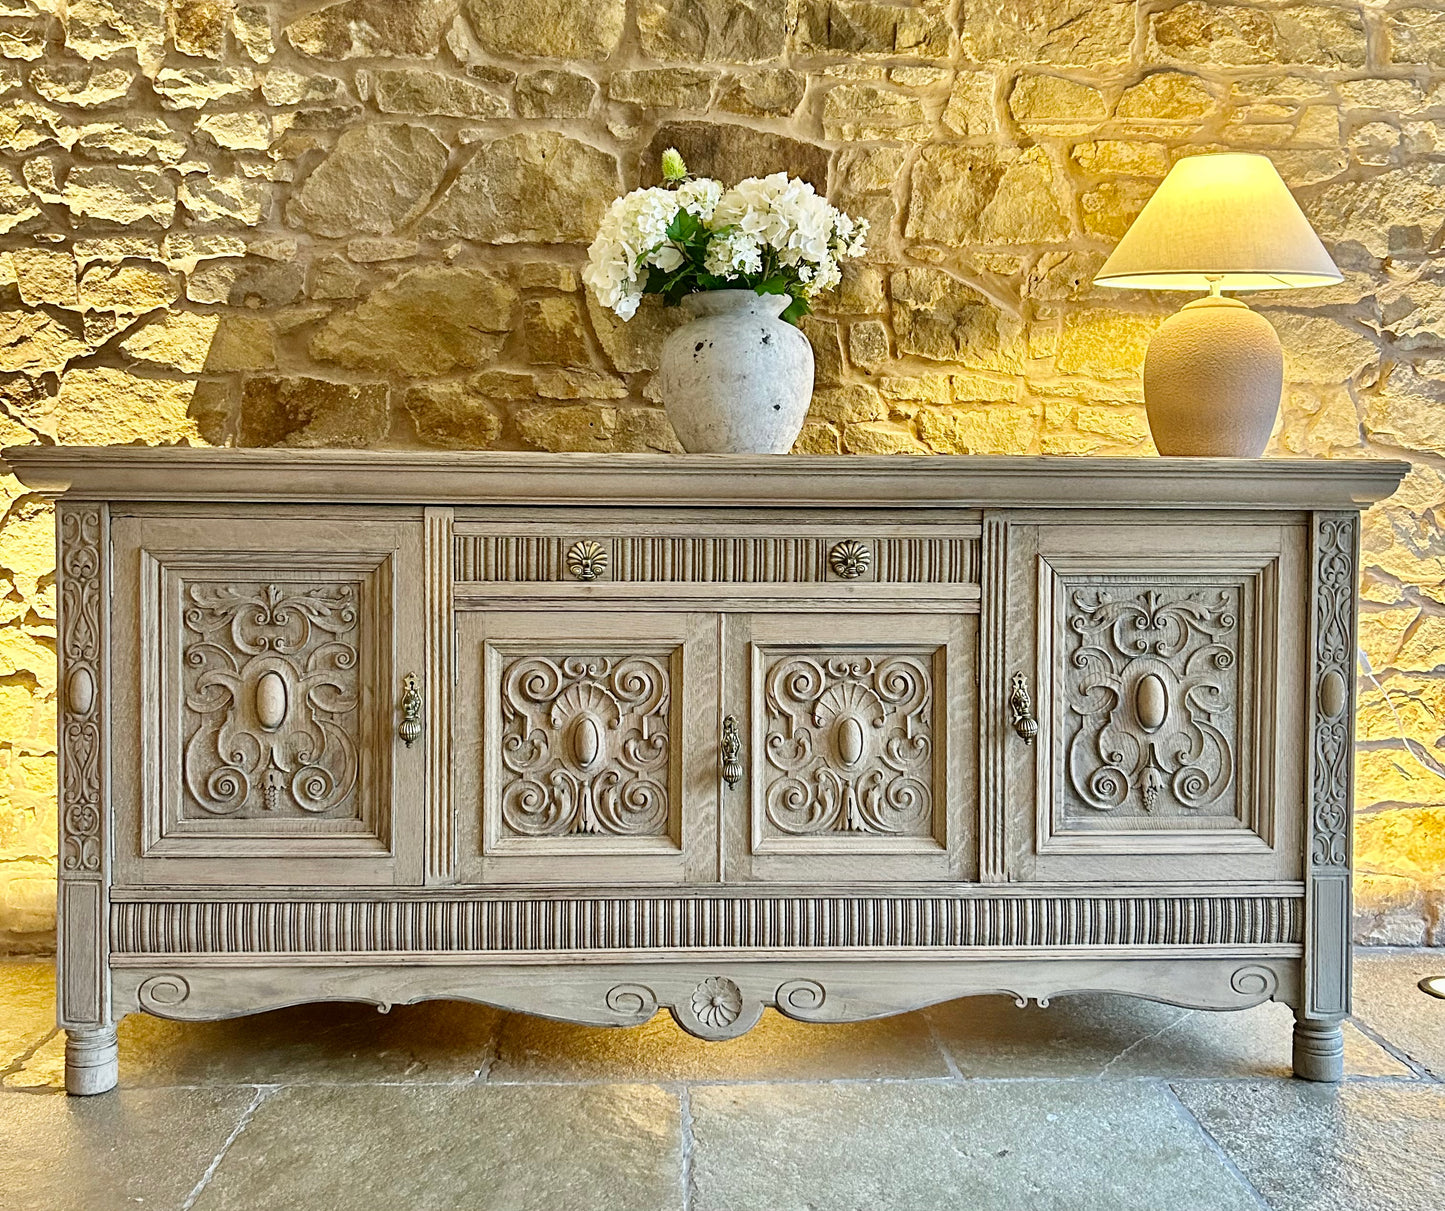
<point>587,737</point>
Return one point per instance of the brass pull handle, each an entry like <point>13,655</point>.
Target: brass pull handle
<point>410,727</point>
<point>1021,709</point>
<point>732,752</point>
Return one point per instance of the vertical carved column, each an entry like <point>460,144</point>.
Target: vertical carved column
<point>83,986</point>
<point>1334,560</point>
<point>993,678</point>
<point>437,564</point>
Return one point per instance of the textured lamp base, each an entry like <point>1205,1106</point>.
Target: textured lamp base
<point>1212,381</point>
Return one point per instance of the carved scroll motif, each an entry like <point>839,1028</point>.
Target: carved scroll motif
<point>81,789</point>
<point>271,694</point>
<point>586,745</point>
<point>849,744</point>
<point>1150,699</point>
<point>1334,675</point>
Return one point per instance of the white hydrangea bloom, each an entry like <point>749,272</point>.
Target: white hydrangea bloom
<point>763,225</point>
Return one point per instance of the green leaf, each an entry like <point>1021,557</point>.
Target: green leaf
<point>795,310</point>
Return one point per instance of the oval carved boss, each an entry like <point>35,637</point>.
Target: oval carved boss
<point>270,700</point>
<point>80,691</point>
<point>1151,702</point>
<point>586,741</point>
<point>1332,694</point>
<point>848,737</point>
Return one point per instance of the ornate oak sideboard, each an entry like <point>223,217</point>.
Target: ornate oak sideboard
<point>588,736</point>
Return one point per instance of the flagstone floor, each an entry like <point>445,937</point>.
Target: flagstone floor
<point>1097,1102</point>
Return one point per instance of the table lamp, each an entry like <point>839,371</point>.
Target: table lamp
<point>1214,370</point>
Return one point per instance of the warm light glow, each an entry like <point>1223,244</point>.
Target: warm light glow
<point>1220,219</point>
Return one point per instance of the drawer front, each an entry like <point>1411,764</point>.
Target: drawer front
<point>585,747</point>
<point>1166,675</point>
<point>261,677</point>
<point>860,747</point>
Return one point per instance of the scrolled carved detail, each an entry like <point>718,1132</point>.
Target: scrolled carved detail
<point>632,1001</point>
<point>848,739</point>
<point>800,998</point>
<point>161,993</point>
<point>270,696</point>
<point>586,745</point>
<point>1149,698</point>
<point>1334,662</point>
<point>82,790</point>
<point>1255,982</point>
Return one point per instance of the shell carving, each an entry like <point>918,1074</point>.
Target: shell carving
<point>1151,702</point>
<point>270,700</point>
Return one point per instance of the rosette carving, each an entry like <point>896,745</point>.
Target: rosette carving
<point>586,746</point>
<point>1150,698</point>
<point>270,695</point>
<point>849,744</point>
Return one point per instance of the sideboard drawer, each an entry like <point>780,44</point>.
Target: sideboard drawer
<point>255,735</point>
<point>1166,666</point>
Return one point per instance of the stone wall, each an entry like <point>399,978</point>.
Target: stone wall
<point>361,224</point>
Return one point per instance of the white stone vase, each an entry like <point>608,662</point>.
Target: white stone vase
<point>736,379</point>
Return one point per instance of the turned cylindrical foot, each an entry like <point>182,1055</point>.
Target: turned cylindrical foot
<point>91,1061</point>
<point>1319,1050</point>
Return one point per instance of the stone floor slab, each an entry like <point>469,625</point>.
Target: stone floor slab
<point>777,1048</point>
<point>1388,1000</point>
<point>338,1043</point>
<point>439,1148</point>
<point>144,1148</point>
<point>27,1006</point>
<point>974,1146</point>
<point>1100,1034</point>
<point>1356,1147</point>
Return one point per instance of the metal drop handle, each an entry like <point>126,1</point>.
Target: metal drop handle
<point>1021,709</point>
<point>732,752</point>
<point>411,704</point>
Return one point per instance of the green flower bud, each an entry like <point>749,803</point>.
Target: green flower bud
<point>673,169</point>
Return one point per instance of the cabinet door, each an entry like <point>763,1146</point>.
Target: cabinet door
<point>259,666</point>
<point>859,749</point>
<point>1165,666</point>
<point>586,747</point>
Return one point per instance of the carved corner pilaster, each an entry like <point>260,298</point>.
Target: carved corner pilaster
<point>441,849</point>
<point>82,531</point>
<point>1334,563</point>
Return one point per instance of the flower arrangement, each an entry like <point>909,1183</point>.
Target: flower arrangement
<point>773,234</point>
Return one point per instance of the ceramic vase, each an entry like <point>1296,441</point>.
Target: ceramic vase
<point>736,379</point>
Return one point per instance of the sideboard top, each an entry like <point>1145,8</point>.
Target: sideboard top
<point>181,473</point>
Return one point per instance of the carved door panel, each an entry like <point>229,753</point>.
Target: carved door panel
<point>260,663</point>
<point>1162,666</point>
<point>857,747</point>
<point>585,747</point>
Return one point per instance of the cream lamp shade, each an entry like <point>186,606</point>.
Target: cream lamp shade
<point>1227,219</point>
<point>1214,371</point>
